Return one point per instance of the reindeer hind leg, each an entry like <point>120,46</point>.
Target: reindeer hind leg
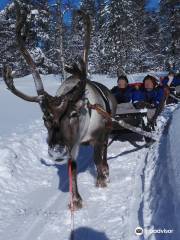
<point>100,159</point>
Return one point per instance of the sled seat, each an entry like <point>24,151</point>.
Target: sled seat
<point>128,108</point>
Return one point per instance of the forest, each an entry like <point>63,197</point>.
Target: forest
<point>126,36</point>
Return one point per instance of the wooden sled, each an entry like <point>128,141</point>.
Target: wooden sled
<point>130,115</point>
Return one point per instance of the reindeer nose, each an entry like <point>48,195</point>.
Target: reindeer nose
<point>58,153</point>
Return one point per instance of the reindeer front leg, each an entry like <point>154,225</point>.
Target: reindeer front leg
<point>100,159</point>
<point>76,200</point>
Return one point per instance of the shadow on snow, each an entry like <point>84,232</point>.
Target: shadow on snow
<point>85,233</point>
<point>84,162</point>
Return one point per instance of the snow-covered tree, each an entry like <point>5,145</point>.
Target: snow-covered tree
<point>170,29</point>
<point>100,28</point>
<point>38,37</point>
<point>154,58</point>
<point>56,36</point>
<point>124,35</point>
<point>9,53</point>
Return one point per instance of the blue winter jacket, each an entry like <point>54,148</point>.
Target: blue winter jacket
<point>175,82</point>
<point>153,97</point>
<point>122,95</point>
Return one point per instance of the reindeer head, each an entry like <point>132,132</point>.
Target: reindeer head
<point>60,113</point>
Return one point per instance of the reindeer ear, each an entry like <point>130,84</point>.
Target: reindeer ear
<point>78,68</point>
<point>81,66</point>
<point>69,69</point>
<point>73,69</point>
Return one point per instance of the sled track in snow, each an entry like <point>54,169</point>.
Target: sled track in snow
<point>35,195</point>
<point>25,159</point>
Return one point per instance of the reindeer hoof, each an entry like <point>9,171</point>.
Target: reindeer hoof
<point>76,205</point>
<point>101,182</point>
<point>106,172</point>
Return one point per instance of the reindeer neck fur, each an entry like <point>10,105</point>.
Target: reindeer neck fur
<point>91,123</point>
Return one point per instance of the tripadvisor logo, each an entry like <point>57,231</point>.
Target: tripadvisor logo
<point>139,231</point>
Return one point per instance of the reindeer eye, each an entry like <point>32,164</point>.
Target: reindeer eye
<point>73,114</point>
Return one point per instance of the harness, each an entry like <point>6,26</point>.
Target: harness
<point>98,87</point>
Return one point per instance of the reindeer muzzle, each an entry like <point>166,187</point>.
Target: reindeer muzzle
<point>59,154</point>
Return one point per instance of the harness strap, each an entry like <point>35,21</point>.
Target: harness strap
<point>70,175</point>
<point>71,198</point>
<point>103,113</point>
<point>100,110</point>
<point>103,95</point>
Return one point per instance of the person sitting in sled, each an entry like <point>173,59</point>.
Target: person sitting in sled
<point>149,96</point>
<point>171,80</point>
<point>172,84</point>
<point>122,92</point>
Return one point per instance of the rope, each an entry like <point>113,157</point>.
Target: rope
<point>101,111</point>
<point>71,199</point>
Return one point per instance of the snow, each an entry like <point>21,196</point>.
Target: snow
<point>157,209</point>
<point>144,183</point>
<point>15,112</point>
<point>34,12</point>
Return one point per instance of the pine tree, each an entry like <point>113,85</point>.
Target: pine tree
<point>9,53</point>
<point>170,28</point>
<point>120,35</point>
<point>154,57</point>
<point>125,35</point>
<point>138,53</point>
<point>40,28</point>
<point>100,28</point>
<point>56,51</point>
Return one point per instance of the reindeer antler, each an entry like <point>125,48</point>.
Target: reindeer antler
<point>88,27</point>
<point>8,78</point>
<point>21,24</point>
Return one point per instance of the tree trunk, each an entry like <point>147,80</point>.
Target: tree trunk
<point>60,37</point>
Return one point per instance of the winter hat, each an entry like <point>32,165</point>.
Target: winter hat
<point>153,79</point>
<point>122,77</point>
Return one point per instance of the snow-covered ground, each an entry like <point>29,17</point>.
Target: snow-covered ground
<point>15,113</point>
<point>144,188</point>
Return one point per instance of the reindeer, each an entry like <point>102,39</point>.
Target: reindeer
<point>67,116</point>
